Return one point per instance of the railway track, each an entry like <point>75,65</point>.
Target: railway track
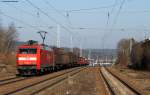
<point>5,79</point>
<point>12,80</point>
<point>55,82</point>
<point>109,89</point>
<point>115,85</point>
<point>37,84</point>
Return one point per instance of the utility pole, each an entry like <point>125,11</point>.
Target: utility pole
<point>43,35</point>
<point>89,56</point>
<point>80,50</point>
<point>131,45</point>
<point>58,36</point>
<point>0,19</point>
<point>71,43</point>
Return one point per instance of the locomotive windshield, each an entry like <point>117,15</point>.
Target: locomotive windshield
<point>27,51</point>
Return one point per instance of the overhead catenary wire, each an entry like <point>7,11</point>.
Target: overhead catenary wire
<point>68,11</point>
<point>20,21</point>
<point>107,23</point>
<point>114,22</point>
<point>23,11</point>
<point>95,8</point>
<point>116,17</point>
<point>58,11</point>
<point>105,12</point>
<point>118,13</point>
<point>51,18</point>
<point>113,8</point>
<point>110,13</point>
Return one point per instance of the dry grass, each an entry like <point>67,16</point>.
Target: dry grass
<point>140,80</point>
<point>7,63</point>
<point>10,59</point>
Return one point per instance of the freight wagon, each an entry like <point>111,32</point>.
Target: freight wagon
<point>82,61</point>
<point>64,59</point>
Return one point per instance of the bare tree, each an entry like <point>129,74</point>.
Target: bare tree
<point>2,39</point>
<point>124,51</point>
<point>8,37</point>
<point>137,55</point>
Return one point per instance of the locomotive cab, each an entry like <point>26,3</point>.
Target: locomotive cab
<point>33,58</point>
<point>27,59</point>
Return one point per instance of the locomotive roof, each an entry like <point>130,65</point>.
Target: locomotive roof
<point>36,45</point>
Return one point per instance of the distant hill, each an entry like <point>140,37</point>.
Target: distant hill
<point>100,53</point>
<point>19,43</point>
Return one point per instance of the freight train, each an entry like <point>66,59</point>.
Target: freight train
<point>34,59</point>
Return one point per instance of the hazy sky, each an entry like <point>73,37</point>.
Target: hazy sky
<point>92,23</point>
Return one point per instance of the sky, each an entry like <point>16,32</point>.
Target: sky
<point>90,23</point>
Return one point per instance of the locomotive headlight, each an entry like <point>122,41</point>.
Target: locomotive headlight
<point>27,58</point>
<point>21,58</point>
<point>32,58</point>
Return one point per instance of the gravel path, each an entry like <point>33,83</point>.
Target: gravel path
<point>88,82</point>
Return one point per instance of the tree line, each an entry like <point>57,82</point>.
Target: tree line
<point>8,38</point>
<point>134,54</point>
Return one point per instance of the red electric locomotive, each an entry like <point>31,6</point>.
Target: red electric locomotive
<point>33,58</point>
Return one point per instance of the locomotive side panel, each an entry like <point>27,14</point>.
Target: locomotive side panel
<point>46,58</point>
